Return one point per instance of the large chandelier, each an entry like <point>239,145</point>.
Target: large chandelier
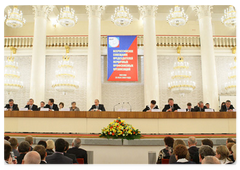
<point>122,17</point>
<point>12,81</point>
<point>177,17</point>
<point>65,75</point>
<point>15,18</point>
<point>231,84</point>
<point>67,17</point>
<point>229,17</point>
<point>181,83</point>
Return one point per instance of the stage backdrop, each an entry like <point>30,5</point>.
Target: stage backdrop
<point>122,58</point>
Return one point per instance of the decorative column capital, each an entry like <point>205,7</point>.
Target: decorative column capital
<point>95,10</point>
<point>147,10</point>
<point>202,10</point>
<point>42,10</point>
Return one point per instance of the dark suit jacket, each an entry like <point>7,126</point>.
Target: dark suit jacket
<point>42,162</point>
<point>100,107</point>
<point>224,108</point>
<point>194,154</point>
<point>72,156</point>
<point>192,110</point>
<point>198,109</point>
<point>58,158</point>
<point>14,108</point>
<point>167,106</point>
<point>79,153</point>
<point>148,108</point>
<point>34,107</point>
<point>55,107</point>
<point>20,158</point>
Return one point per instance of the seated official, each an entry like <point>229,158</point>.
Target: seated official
<point>61,105</point>
<point>181,153</point>
<point>189,108</point>
<point>51,105</point>
<point>74,107</point>
<point>11,106</point>
<point>200,107</point>
<point>207,105</point>
<point>31,106</point>
<point>152,106</point>
<point>223,104</point>
<point>97,106</point>
<point>227,107</point>
<point>42,104</point>
<point>171,107</point>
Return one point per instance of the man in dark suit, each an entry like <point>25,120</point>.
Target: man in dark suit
<point>42,152</point>
<point>58,156</point>
<point>23,148</point>
<point>31,106</point>
<point>200,107</point>
<point>42,105</point>
<point>189,108</point>
<point>193,150</point>
<point>11,106</point>
<point>171,107</point>
<point>227,107</point>
<point>72,156</point>
<point>78,152</point>
<point>152,106</point>
<point>51,105</point>
<point>97,106</point>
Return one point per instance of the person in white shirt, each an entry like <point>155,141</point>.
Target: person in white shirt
<point>222,154</point>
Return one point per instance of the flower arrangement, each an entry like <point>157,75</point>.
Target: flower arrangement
<point>119,129</point>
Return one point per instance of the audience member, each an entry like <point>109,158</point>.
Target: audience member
<point>7,138</point>
<point>72,156</point>
<point>222,154</point>
<point>6,142</point>
<point>11,106</point>
<point>58,156</point>
<point>193,150</point>
<point>200,107</point>
<point>23,148</point>
<point>181,153</point>
<point>177,142</point>
<point>170,107</point>
<point>42,105</point>
<point>31,106</point>
<point>51,105</point>
<point>42,152</point>
<point>74,107</point>
<point>205,150</point>
<point>31,157</point>
<point>167,151</point>
<point>50,146</point>
<point>234,151</point>
<point>189,108</point>
<point>14,145</point>
<point>97,106</point>
<point>229,146</point>
<point>230,140</point>
<point>43,143</point>
<point>227,107</point>
<point>210,160</point>
<point>80,153</point>
<point>7,154</point>
<point>61,105</point>
<point>151,106</point>
<point>29,139</point>
<point>207,142</point>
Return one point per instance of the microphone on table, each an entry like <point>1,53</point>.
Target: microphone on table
<point>115,106</point>
<point>130,106</point>
<point>123,104</point>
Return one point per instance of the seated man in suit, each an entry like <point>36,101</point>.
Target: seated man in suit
<point>42,104</point>
<point>152,106</point>
<point>42,152</point>
<point>97,106</point>
<point>72,156</point>
<point>207,105</point>
<point>193,150</point>
<point>171,107</point>
<point>78,152</point>
<point>32,157</point>
<point>227,107</point>
<point>31,106</point>
<point>58,156</point>
<point>51,105</point>
<point>200,107</point>
<point>189,107</point>
<point>11,106</point>
<point>23,148</point>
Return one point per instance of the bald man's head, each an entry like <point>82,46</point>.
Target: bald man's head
<point>210,160</point>
<point>192,141</point>
<point>32,157</point>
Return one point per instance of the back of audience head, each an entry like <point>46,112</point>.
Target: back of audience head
<point>29,139</point>
<point>192,141</point>
<point>210,160</point>
<point>66,146</point>
<point>24,147</point>
<point>31,157</point>
<point>76,142</point>
<point>7,138</point>
<point>178,142</point>
<point>43,143</point>
<point>205,150</point>
<point>230,140</point>
<point>50,144</point>
<point>229,146</point>
<point>234,151</point>
<point>181,151</point>
<point>7,152</point>
<point>222,152</point>
<point>41,150</point>
<point>14,143</point>
<point>169,141</point>
<point>207,142</point>
<point>60,145</point>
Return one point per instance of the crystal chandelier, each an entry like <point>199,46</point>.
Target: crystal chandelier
<point>15,18</point>
<point>181,83</point>
<point>65,75</point>
<point>67,17</point>
<point>229,17</point>
<point>177,17</point>
<point>11,74</point>
<point>231,84</point>
<point>121,16</point>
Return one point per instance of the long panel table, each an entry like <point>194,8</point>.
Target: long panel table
<point>93,122</point>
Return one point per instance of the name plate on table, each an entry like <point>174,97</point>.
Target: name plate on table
<point>181,110</point>
<point>209,110</point>
<point>23,109</point>
<point>65,109</point>
<point>5,109</point>
<point>122,110</point>
<point>234,110</point>
<point>156,110</point>
<point>44,109</point>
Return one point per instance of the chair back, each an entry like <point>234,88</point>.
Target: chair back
<point>165,161</point>
<point>80,160</point>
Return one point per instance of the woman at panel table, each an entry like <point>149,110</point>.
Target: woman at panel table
<point>61,105</point>
<point>74,107</point>
<point>152,106</point>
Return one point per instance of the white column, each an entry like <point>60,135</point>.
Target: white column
<point>94,70</point>
<point>37,85</point>
<point>151,84</point>
<point>209,74</point>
